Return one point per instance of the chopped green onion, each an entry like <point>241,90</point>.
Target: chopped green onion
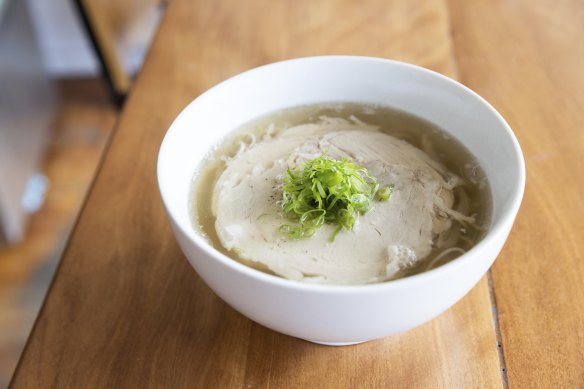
<point>384,194</point>
<point>328,191</point>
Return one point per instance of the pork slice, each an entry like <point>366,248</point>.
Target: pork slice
<point>248,212</point>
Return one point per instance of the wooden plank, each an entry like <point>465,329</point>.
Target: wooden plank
<point>126,310</point>
<point>527,58</point>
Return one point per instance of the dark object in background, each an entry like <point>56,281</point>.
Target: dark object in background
<point>109,25</point>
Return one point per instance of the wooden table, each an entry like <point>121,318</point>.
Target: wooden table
<point>126,310</point>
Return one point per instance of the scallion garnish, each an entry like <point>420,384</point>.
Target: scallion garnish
<point>383,194</point>
<point>328,191</point>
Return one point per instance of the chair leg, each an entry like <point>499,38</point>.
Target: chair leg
<point>118,97</point>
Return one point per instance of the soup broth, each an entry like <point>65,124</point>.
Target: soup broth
<point>472,198</point>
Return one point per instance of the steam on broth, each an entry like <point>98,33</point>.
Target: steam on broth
<point>439,208</point>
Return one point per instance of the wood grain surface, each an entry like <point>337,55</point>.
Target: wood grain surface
<point>530,65</point>
<point>126,310</point>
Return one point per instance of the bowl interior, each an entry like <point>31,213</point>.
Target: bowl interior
<point>427,94</point>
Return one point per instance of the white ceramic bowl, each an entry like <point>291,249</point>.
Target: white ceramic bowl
<point>327,313</point>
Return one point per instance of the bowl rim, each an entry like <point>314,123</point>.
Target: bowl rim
<point>499,226</point>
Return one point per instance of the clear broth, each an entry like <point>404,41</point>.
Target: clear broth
<point>437,143</point>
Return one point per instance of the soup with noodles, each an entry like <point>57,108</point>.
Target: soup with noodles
<point>341,193</point>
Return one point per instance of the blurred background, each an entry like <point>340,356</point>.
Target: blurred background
<point>66,67</point>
